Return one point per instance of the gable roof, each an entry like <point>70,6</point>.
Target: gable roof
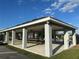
<point>27,23</point>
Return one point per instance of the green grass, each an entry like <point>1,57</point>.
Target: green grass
<point>72,53</point>
<point>28,54</point>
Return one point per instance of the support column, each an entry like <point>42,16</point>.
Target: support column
<point>48,40</point>
<point>6,37</point>
<point>74,38</point>
<point>66,40</point>
<point>13,37</point>
<point>24,38</point>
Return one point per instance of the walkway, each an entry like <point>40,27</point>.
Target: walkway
<point>6,53</point>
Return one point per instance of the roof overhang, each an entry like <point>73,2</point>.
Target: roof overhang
<point>63,23</point>
<point>39,21</point>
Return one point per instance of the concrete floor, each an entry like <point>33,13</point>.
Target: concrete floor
<point>40,48</point>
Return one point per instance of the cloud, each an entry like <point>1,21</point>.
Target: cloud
<point>74,1</point>
<point>48,10</point>
<point>20,17</point>
<point>69,7</point>
<point>65,5</point>
<point>20,2</point>
<point>70,11</point>
<point>58,4</point>
<point>41,0</point>
<point>53,6</point>
<point>46,0</point>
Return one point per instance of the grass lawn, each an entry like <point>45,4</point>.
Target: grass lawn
<point>72,53</point>
<point>28,54</point>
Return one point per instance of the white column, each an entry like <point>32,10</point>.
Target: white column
<point>66,40</point>
<point>48,40</point>
<point>13,37</point>
<point>6,37</point>
<point>24,38</point>
<point>74,38</point>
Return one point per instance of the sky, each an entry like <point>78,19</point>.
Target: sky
<point>14,12</point>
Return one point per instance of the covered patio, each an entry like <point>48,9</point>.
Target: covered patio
<point>45,36</point>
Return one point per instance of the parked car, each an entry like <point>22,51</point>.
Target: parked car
<point>3,43</point>
<point>2,40</point>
